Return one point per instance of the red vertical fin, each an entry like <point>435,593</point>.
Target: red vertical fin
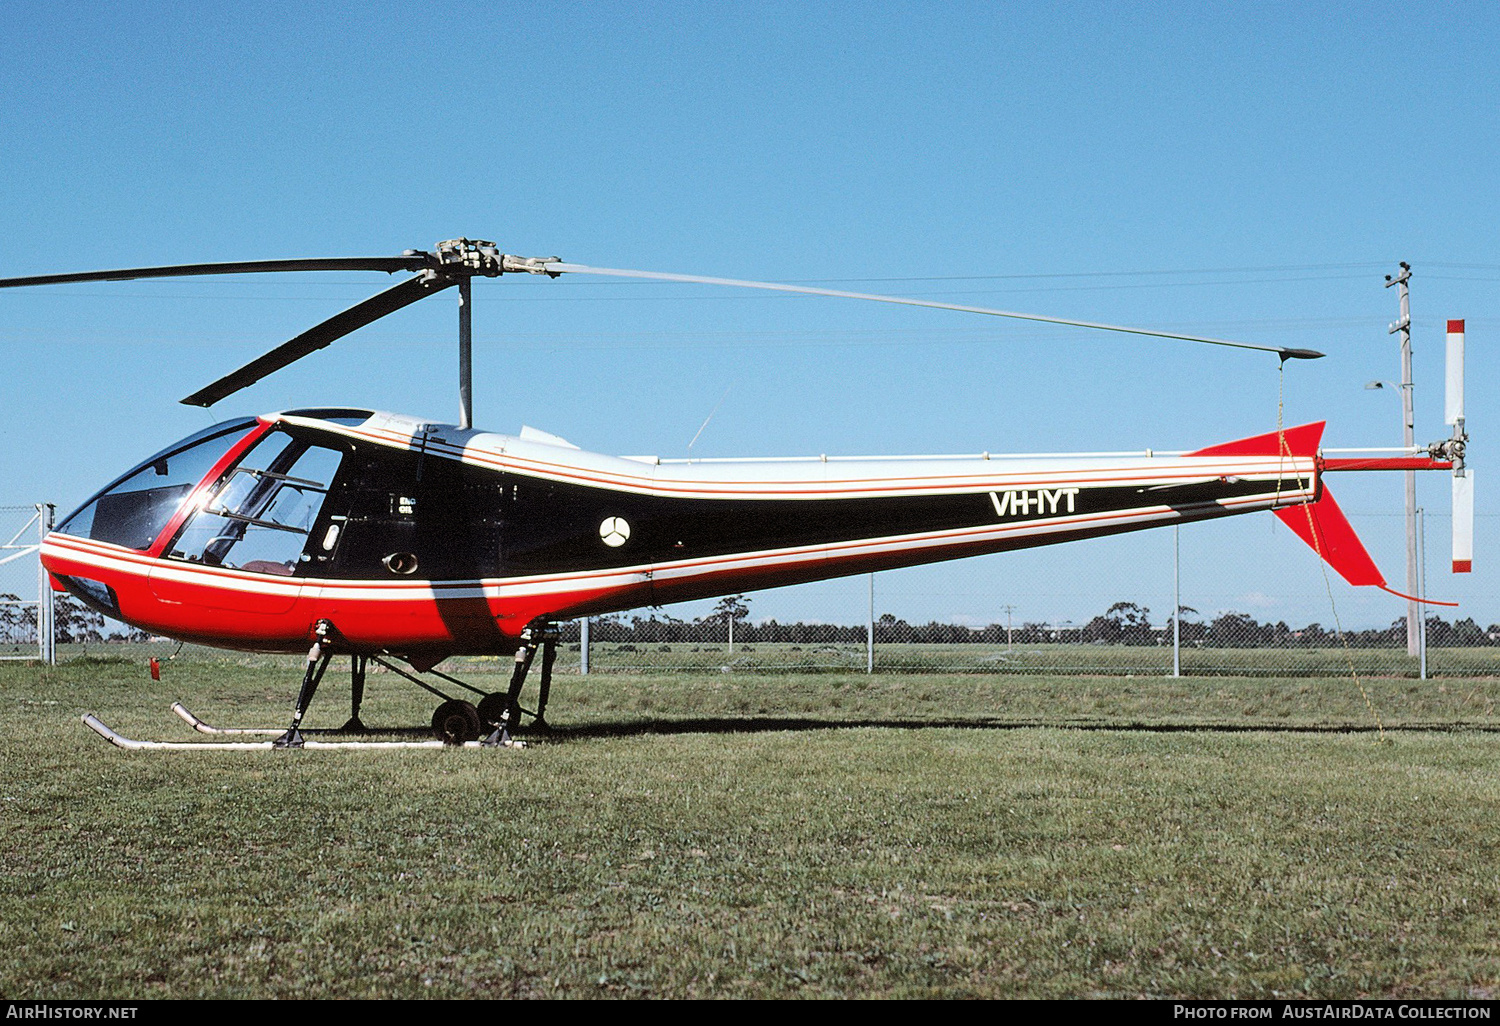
<point>1302,440</point>
<point>1321,524</point>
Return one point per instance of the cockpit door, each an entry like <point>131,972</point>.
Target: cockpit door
<point>258,521</point>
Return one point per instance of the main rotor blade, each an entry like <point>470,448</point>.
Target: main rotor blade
<point>331,330</point>
<point>414,262</point>
<point>561,267</point>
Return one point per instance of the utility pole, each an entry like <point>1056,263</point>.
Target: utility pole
<point>1403,326</point>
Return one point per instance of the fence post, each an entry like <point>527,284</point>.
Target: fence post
<point>1422,587</point>
<point>870,631</point>
<point>46,638</point>
<point>583,647</point>
<point>1176,601</point>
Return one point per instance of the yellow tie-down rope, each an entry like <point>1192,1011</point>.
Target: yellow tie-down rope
<point>1317,537</point>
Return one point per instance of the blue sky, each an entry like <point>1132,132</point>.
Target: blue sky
<point>1249,171</point>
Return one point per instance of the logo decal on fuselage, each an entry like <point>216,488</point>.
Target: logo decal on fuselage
<point>614,531</point>
<point>1028,502</point>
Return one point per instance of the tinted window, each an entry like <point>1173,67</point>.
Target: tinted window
<point>336,414</point>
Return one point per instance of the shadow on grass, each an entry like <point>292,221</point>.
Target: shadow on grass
<point>771,724</point>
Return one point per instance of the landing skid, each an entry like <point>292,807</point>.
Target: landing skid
<point>103,730</point>
<point>456,723</point>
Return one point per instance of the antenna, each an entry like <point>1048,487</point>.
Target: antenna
<point>711,414</point>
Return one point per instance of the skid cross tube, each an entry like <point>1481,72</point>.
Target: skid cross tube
<point>419,683</point>
<point>454,680</point>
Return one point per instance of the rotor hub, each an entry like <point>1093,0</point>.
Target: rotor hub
<point>468,257</point>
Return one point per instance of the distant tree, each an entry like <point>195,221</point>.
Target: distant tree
<point>889,629</point>
<point>609,628</point>
<point>657,628</point>
<point>1123,623</point>
<point>1234,630</point>
<point>1468,633</point>
<point>1314,636</point>
<point>730,610</point>
<point>1102,630</point>
<point>1029,633</point>
<point>1190,631</point>
<point>17,621</point>
<point>73,622</point>
<point>1134,621</point>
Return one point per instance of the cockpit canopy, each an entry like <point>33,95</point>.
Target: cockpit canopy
<point>286,496</point>
<point>255,492</point>
<point>136,507</point>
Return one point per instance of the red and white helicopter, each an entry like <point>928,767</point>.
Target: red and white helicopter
<point>377,536</point>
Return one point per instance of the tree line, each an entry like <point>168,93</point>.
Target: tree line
<point>72,623</point>
<point>1123,623</point>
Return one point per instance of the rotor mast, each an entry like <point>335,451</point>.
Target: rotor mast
<point>465,355</point>
<point>458,261</point>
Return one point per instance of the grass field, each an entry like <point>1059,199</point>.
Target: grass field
<point>736,835</point>
<point>986,659</point>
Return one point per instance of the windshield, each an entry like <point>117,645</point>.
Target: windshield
<point>137,506</point>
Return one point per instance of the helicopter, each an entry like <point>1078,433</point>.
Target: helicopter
<point>381,537</point>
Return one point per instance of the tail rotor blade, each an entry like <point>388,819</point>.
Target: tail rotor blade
<point>318,337</point>
<point>560,267</point>
<point>1463,522</point>
<point>1453,393</point>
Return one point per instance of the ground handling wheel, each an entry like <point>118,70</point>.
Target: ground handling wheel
<point>455,722</point>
